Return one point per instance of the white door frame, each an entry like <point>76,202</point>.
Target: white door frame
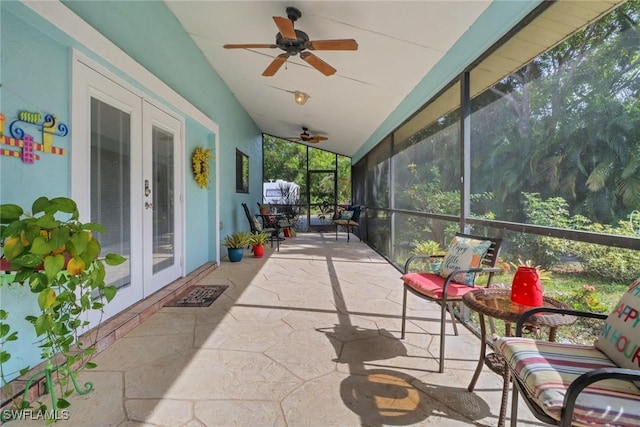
<point>85,75</point>
<point>152,116</point>
<point>92,41</point>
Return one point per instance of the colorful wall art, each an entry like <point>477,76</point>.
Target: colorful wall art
<point>48,127</point>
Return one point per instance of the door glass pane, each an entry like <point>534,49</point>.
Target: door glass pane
<point>322,197</point>
<point>110,184</point>
<point>163,200</point>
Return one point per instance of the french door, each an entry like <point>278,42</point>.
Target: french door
<point>162,213</point>
<point>126,173</point>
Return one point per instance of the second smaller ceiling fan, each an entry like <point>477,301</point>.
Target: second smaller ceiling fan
<point>306,137</point>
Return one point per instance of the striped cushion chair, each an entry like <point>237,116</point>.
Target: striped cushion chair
<point>579,385</point>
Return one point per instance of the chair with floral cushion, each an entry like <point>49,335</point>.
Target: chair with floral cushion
<point>467,257</point>
<point>568,384</point>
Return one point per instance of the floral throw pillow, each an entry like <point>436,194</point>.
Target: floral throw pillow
<point>257,225</point>
<point>620,335</point>
<point>463,253</point>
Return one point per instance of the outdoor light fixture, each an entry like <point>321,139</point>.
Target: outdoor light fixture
<point>301,97</point>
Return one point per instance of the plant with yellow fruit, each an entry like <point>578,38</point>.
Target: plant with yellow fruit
<point>55,256</point>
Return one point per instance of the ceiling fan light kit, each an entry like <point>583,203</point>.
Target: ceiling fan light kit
<point>295,42</point>
<point>301,97</point>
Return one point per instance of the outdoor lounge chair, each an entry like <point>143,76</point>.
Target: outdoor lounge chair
<point>466,257</point>
<point>579,385</point>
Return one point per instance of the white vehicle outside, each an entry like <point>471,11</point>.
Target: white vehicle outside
<point>280,192</point>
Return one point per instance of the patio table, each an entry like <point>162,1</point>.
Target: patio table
<point>496,303</point>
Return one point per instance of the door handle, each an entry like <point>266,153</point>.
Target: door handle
<point>148,205</point>
<point>147,188</point>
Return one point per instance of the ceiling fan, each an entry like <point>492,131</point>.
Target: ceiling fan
<point>295,42</point>
<point>306,137</point>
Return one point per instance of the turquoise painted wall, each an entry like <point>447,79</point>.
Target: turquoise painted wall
<point>35,69</point>
<point>497,19</point>
<point>199,200</point>
<point>35,77</point>
<point>149,32</point>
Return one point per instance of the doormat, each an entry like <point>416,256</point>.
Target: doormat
<point>199,296</point>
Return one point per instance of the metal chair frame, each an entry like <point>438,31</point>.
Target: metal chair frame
<point>487,266</point>
<point>275,231</point>
<point>574,389</point>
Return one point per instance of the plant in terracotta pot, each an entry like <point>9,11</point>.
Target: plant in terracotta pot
<point>55,257</point>
<point>235,243</point>
<point>258,241</point>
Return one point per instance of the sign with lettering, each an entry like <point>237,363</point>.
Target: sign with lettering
<point>620,336</point>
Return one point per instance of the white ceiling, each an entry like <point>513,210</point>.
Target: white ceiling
<point>399,42</point>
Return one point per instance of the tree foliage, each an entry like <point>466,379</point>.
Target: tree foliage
<point>566,125</point>
<point>287,160</point>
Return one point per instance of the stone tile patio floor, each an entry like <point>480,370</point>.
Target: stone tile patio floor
<point>308,336</point>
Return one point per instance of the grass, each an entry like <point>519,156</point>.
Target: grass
<point>579,291</point>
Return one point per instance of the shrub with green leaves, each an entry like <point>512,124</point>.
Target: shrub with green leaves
<point>617,264</point>
<point>237,240</point>
<point>55,257</point>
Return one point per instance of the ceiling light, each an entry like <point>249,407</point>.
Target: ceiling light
<point>301,97</point>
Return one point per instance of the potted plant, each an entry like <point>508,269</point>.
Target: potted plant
<point>235,243</point>
<point>258,241</point>
<point>55,257</point>
<point>431,248</point>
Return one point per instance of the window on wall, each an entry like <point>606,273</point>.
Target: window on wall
<point>242,172</point>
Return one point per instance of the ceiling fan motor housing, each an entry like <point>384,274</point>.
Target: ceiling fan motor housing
<point>293,47</point>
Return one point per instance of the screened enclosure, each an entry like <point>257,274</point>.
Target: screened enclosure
<point>323,178</point>
<point>538,142</point>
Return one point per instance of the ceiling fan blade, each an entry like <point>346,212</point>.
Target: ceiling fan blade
<point>316,139</point>
<point>249,46</point>
<point>285,26</point>
<point>275,65</point>
<point>318,63</point>
<point>338,44</point>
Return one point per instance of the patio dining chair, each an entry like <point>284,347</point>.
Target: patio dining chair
<point>467,257</point>
<point>273,219</point>
<point>568,384</point>
<point>256,227</point>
